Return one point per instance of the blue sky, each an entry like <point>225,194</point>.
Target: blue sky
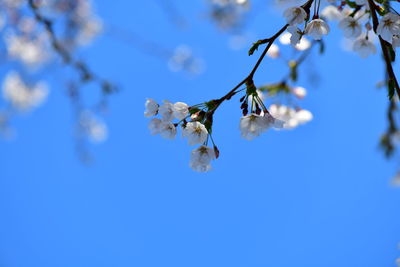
<point>315,196</point>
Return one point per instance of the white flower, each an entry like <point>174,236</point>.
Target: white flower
<point>30,52</point>
<point>389,26</point>
<point>317,28</point>
<point>303,116</point>
<point>167,130</point>
<point>200,158</point>
<point>296,35</point>
<point>273,51</point>
<point>299,92</point>
<point>304,44</point>
<point>364,47</point>
<point>285,38</point>
<point>166,111</point>
<point>195,132</point>
<point>290,116</point>
<point>252,125</point>
<point>95,129</point>
<point>154,126</point>
<point>350,26</point>
<point>295,15</point>
<point>181,110</point>
<point>396,40</point>
<point>151,108</point>
<point>22,96</point>
<point>331,13</point>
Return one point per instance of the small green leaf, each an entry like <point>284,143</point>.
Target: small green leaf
<point>255,46</point>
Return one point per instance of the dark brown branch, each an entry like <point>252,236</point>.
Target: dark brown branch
<point>84,71</point>
<point>385,49</point>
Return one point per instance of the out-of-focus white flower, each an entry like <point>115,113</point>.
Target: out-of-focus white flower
<point>303,116</point>
<point>331,13</point>
<point>196,133</point>
<point>183,59</point>
<point>181,110</point>
<point>398,262</point>
<point>154,126</point>
<point>200,158</point>
<point>295,15</point>
<point>350,26</point>
<point>285,37</point>
<point>166,111</point>
<point>273,51</point>
<point>31,52</point>
<point>364,47</point>
<point>396,40</point>
<point>396,182</point>
<point>95,129</point>
<point>167,130</point>
<point>252,125</point>
<point>299,92</point>
<point>304,44</point>
<point>22,96</point>
<point>151,108</point>
<point>317,28</point>
<point>389,26</point>
<point>88,30</point>
<point>290,116</point>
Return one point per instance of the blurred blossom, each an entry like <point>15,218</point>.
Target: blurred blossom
<point>92,127</point>
<point>291,117</point>
<point>331,13</point>
<point>29,51</point>
<point>21,96</point>
<point>228,14</point>
<point>396,182</point>
<point>273,51</point>
<point>183,59</point>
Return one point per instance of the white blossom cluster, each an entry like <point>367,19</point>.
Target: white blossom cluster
<point>196,125</point>
<point>92,127</point>
<point>357,27</point>
<point>21,96</point>
<point>30,47</point>
<point>228,14</point>
<point>315,28</point>
<point>184,59</point>
<point>195,131</point>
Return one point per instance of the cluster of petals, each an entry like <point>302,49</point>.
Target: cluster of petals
<point>22,96</point>
<point>351,27</point>
<point>291,117</point>
<point>252,125</point>
<point>364,47</point>
<point>389,26</point>
<point>200,158</point>
<point>295,15</point>
<point>317,28</point>
<point>195,132</point>
<point>93,128</point>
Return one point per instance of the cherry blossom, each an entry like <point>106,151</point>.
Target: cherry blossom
<point>389,26</point>
<point>317,28</point>
<point>196,133</point>
<point>295,15</point>
<point>181,110</point>
<point>201,157</point>
<point>151,108</point>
